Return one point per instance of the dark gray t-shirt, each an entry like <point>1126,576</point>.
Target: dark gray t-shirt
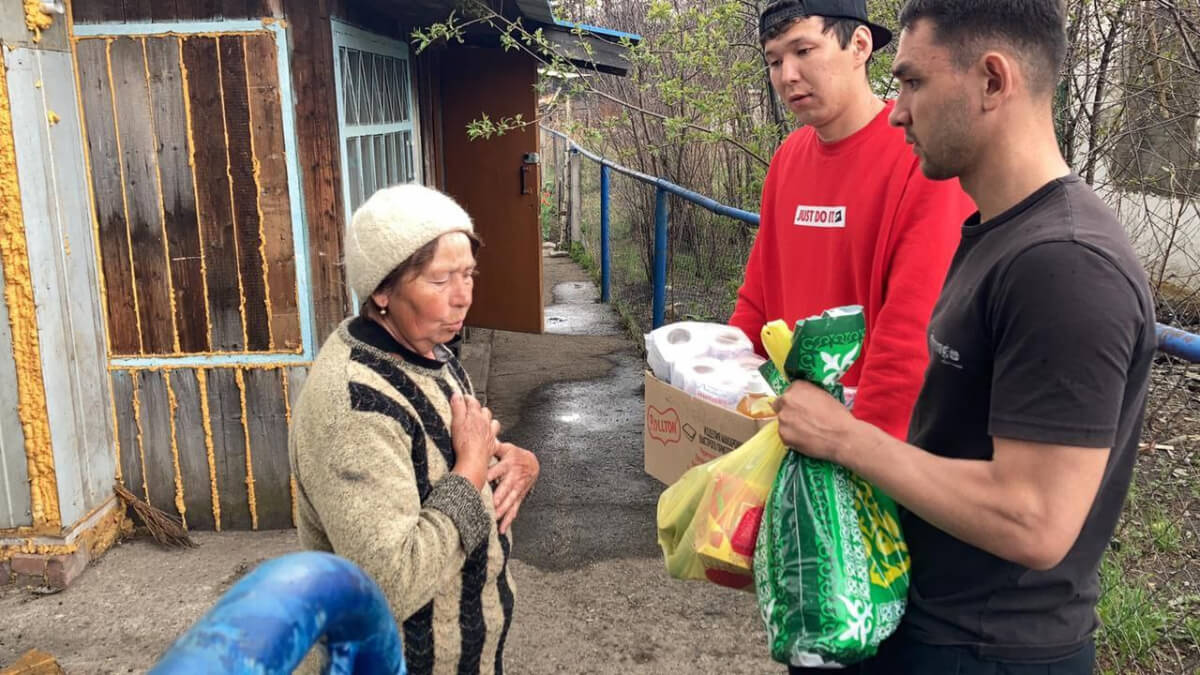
<point>1044,332</point>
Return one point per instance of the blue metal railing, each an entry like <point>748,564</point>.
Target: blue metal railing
<point>605,251</point>
<point>1171,341</point>
<point>270,619</point>
<point>662,188</point>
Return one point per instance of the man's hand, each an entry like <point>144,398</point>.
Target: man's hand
<point>1027,504</point>
<point>516,472</point>
<point>813,422</point>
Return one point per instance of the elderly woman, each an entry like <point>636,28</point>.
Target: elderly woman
<point>397,466</point>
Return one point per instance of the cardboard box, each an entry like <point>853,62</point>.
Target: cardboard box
<point>681,431</point>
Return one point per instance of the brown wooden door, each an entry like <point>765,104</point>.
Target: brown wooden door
<point>485,176</point>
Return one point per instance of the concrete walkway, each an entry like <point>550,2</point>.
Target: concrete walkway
<point>592,594</point>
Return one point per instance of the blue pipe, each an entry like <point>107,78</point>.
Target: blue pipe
<point>660,257</point>
<point>1179,343</point>
<point>605,252</point>
<point>270,619</point>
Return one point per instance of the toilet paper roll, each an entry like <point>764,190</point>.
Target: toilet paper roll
<point>749,362</point>
<point>724,388</point>
<point>755,383</point>
<point>658,365</point>
<point>719,382</point>
<point>689,373</point>
<point>673,344</point>
<point>727,342</point>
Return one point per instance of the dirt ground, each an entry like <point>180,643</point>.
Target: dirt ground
<point>616,616</point>
<point>133,602</point>
<point>592,593</point>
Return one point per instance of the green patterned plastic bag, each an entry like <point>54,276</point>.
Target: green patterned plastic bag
<point>830,565</point>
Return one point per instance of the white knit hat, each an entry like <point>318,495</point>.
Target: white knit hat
<point>391,226</point>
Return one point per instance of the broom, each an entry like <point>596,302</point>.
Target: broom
<point>166,529</point>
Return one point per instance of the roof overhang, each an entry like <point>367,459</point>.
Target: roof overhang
<point>588,47</point>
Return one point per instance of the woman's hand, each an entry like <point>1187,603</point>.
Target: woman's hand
<point>473,434</point>
<point>516,472</point>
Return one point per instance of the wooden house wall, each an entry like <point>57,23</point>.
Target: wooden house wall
<point>370,17</point>
<point>428,75</point>
<point>141,11</point>
<point>194,223</point>
<point>192,219</point>
<point>315,112</point>
<point>320,157</point>
<point>317,130</point>
<point>209,444</point>
<point>58,233</point>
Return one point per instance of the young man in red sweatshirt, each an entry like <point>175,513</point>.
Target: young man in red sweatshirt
<point>847,217</point>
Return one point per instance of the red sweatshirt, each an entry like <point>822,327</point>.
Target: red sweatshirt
<point>856,223</point>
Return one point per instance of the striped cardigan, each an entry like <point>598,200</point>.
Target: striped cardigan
<point>371,453</point>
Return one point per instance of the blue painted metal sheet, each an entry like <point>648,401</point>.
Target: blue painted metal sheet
<point>598,30</point>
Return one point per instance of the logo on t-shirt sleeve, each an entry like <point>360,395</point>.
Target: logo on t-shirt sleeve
<point>947,354</point>
<point>820,216</point>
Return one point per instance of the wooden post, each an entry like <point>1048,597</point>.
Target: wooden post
<point>560,195</point>
<point>575,206</point>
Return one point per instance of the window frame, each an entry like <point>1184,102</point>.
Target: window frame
<point>346,36</point>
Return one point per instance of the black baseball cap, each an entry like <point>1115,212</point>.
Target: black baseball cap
<point>782,11</point>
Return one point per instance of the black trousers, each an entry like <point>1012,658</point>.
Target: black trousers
<point>899,656</point>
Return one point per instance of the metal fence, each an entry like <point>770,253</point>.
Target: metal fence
<point>662,254</point>
<point>678,268</point>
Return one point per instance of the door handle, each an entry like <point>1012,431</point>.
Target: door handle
<point>528,161</point>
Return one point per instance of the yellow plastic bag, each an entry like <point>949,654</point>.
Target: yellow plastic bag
<point>708,520</point>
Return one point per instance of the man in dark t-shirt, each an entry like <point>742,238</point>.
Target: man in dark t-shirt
<point>1023,438</point>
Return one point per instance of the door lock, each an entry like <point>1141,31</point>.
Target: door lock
<point>529,161</point>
